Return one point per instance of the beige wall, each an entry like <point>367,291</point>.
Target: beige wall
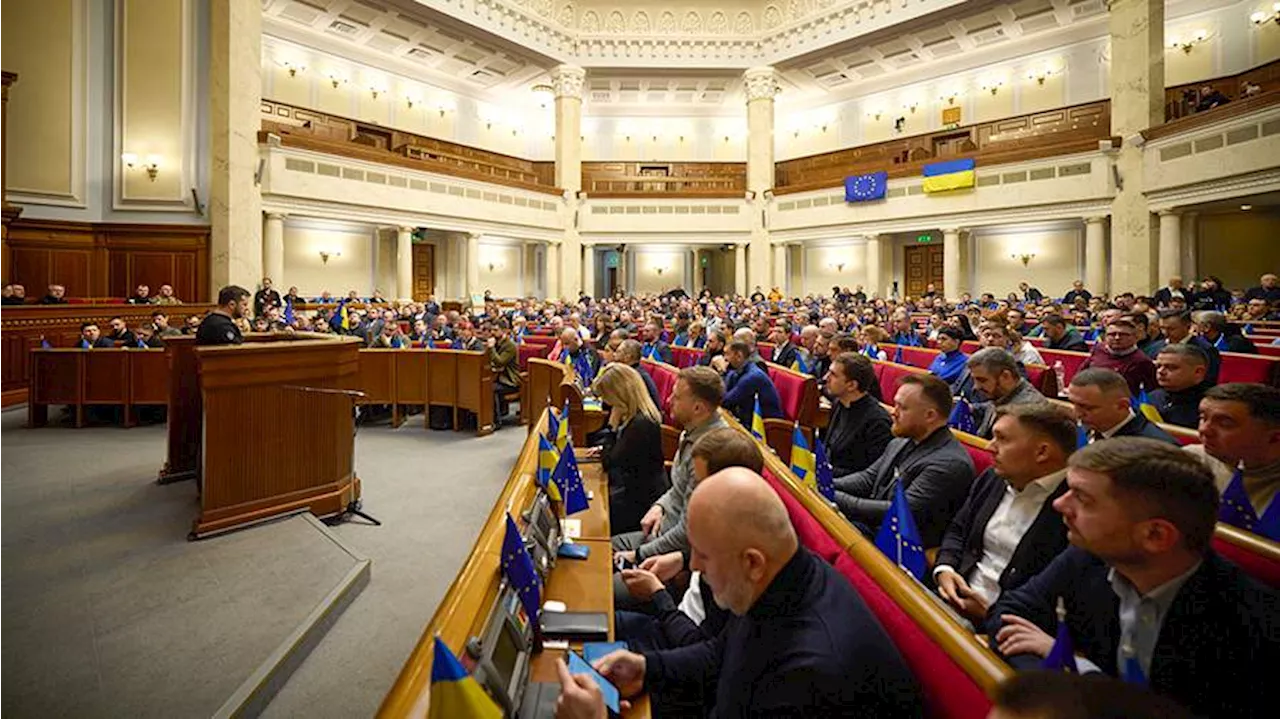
<point>647,262</point>
<point>41,44</point>
<point>1239,247</point>
<point>1055,266</point>
<point>504,279</point>
<point>303,266</point>
<point>822,271</point>
<point>155,118</point>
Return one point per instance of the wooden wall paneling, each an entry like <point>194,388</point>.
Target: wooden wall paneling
<point>442,380</point>
<point>106,378</point>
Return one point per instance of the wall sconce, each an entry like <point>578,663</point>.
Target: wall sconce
<point>293,67</point>
<point>660,269</point>
<point>837,266</point>
<point>1026,259</point>
<point>1186,44</point>
<point>336,79</point>
<point>875,114</point>
<point>411,100</point>
<point>949,99</point>
<point>992,86</point>
<point>1260,17</point>
<point>494,266</point>
<point>374,90</point>
<point>326,254</point>
<point>151,166</point>
<point>910,107</point>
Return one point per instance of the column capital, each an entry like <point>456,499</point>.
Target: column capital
<point>871,237</point>
<point>1169,212</point>
<point>953,230</point>
<point>567,81</point>
<point>406,229</point>
<point>588,244</point>
<point>761,83</point>
<point>1095,220</point>
<point>276,215</point>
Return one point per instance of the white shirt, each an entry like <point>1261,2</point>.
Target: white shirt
<point>692,605</point>
<point>1109,433</point>
<point>1014,515</point>
<point>1028,354</point>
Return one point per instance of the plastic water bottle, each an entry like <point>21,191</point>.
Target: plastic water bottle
<point>1061,373</point>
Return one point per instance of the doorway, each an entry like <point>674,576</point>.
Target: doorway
<point>424,271</point>
<point>923,265</point>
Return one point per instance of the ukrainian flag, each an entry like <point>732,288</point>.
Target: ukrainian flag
<point>345,322</point>
<point>562,429</point>
<point>950,175</point>
<point>1142,403</point>
<point>548,458</point>
<point>803,464</point>
<point>454,693</point>
<point>757,421</point>
<point>553,420</point>
<point>799,365</point>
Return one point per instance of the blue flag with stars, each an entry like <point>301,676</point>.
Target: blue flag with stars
<point>1062,656</point>
<point>568,479</point>
<point>517,565</point>
<point>1237,510</point>
<point>864,188</point>
<point>288,313</point>
<point>822,468</point>
<point>898,537</point>
<point>962,418</point>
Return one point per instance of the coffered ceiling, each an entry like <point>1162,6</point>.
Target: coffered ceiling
<point>686,57</point>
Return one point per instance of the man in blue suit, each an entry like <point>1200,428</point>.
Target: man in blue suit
<point>1141,585</point>
<point>743,382</point>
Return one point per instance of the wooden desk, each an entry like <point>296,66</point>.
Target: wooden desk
<point>421,377</point>
<point>581,585</point>
<point>80,377</point>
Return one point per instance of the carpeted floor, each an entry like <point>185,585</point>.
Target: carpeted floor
<point>109,611</point>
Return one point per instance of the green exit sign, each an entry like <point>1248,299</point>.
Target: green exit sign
<point>924,239</point>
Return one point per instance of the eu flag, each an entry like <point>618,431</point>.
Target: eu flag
<point>803,463</point>
<point>568,480</point>
<point>897,355</point>
<point>822,469</point>
<point>518,567</point>
<point>862,188</point>
<point>1237,510</point>
<point>454,692</point>
<point>288,313</point>
<point>1062,656</point>
<point>84,344</point>
<point>898,537</point>
<point>962,417</point>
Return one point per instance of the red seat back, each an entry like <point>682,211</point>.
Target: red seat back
<point>982,459</point>
<point>1071,361</point>
<point>525,350</point>
<point>1265,348</point>
<point>808,530</point>
<point>891,378</point>
<point>1238,367</point>
<point>664,377</point>
<point>794,390</point>
<point>766,350</point>
<point>1258,557</point>
<point>685,356</point>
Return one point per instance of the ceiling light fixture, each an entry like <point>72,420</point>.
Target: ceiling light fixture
<point>1187,44</point>
<point>1246,207</point>
<point>1260,17</point>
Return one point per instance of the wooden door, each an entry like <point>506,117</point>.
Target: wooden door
<point>610,281</point>
<point>424,271</point>
<point>924,266</point>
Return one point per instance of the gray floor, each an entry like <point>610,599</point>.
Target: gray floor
<point>108,611</point>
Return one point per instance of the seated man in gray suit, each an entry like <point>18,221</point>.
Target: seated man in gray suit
<point>933,466</point>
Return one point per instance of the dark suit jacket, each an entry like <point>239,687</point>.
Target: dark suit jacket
<point>962,545</point>
<point>1070,298</point>
<point>1071,342</point>
<point>856,436</point>
<point>1140,426</point>
<point>808,647</point>
<point>1218,647</point>
<point>1215,357</point>
<point>741,389</point>
<point>632,459</point>
<point>1181,407</point>
<point>785,355</point>
<point>1163,296</point>
<point>936,474</point>
<point>657,351</point>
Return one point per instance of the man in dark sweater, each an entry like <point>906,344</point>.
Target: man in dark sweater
<point>1119,351</point>
<point>859,429</point>
<point>1062,337</point>
<point>801,641</point>
<point>1180,370</point>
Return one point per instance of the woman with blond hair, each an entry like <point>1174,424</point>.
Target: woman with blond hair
<point>631,454</point>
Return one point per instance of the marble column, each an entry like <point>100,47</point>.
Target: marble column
<point>761,85</point>
<point>273,248</point>
<point>1170,263</point>
<point>952,282</point>
<point>404,263</point>
<point>552,282</point>
<point>473,265</point>
<point>589,268</point>
<point>780,267</point>
<point>1137,102</point>
<point>235,99</point>
<point>1190,245</point>
<point>875,278</point>
<point>567,81</point>
<point>740,270</point>
<point>1095,255</point>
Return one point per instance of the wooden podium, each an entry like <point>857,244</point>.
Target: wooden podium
<point>266,427</point>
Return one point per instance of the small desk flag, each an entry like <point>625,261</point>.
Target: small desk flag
<point>84,344</point>
<point>1237,510</point>
<point>898,537</point>
<point>897,355</point>
<point>561,437</point>
<point>547,461</point>
<point>518,567</point>
<point>757,421</point>
<point>1082,435</point>
<point>803,463</point>
<point>1142,403</point>
<point>962,417</point>
<point>568,480</point>
<point>949,175</point>
<point>799,365</point>
<point>1062,656</point>
<point>863,188</point>
<point>454,693</point>
<point>822,468</point>
<point>44,344</point>
<point>288,313</point>
<point>1130,667</point>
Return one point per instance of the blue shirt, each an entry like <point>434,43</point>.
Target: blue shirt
<point>741,389</point>
<point>948,365</point>
<point>906,339</point>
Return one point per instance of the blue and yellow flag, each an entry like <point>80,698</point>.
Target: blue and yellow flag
<point>344,319</point>
<point>553,420</point>
<point>962,418</point>
<point>84,344</point>
<point>1062,656</point>
<point>1082,435</point>
<point>757,421</point>
<point>822,469</point>
<point>548,458</point>
<point>949,175</point>
<point>898,537</point>
<point>897,355</point>
<point>568,480</point>
<point>1237,510</point>
<point>519,570</point>
<point>561,437</point>
<point>44,343</point>
<point>799,365</point>
<point>288,313</point>
<point>454,692</point>
<point>803,463</point>
<point>1142,404</point>
<point>1130,667</point>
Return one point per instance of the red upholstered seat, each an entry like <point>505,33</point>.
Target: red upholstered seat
<point>525,350</point>
<point>1071,361</point>
<point>685,356</point>
<point>982,458</point>
<point>892,377</point>
<point>1265,347</point>
<point>1238,367</point>
<point>664,377</point>
<point>920,357</point>
<point>1265,569</point>
<point>766,350</point>
<point>949,693</point>
<point>969,347</point>
<point>791,390</point>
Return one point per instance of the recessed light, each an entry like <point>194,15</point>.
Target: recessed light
<point>1246,208</point>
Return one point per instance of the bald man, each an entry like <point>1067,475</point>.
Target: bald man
<point>801,639</point>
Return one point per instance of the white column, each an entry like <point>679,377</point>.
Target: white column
<point>952,282</point>
<point>1137,102</point>
<point>553,271</point>
<point>780,267</point>
<point>567,82</point>
<point>875,278</point>
<point>1095,255</point>
<point>1190,245</point>
<point>404,263</point>
<point>761,85</point>
<point>235,99</point>
<point>589,269</point>
<point>473,265</point>
<point>273,248</point>
<point>1170,264</point>
<point>740,270</point>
